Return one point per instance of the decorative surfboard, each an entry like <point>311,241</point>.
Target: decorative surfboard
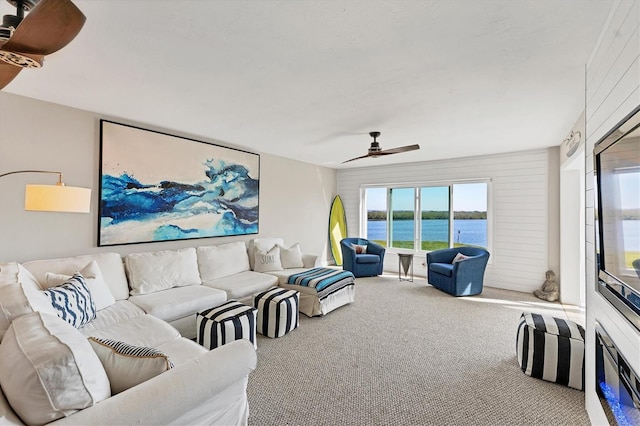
<point>337,228</point>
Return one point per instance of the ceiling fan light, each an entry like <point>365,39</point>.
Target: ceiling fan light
<point>19,60</point>
<point>5,33</point>
<point>24,4</point>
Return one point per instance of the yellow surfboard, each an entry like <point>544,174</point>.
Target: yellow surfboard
<point>337,229</point>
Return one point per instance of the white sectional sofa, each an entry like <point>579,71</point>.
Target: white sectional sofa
<point>147,300</point>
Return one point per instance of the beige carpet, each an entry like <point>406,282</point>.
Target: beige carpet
<point>407,354</point>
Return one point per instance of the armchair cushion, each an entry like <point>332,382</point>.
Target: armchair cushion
<point>442,268</point>
<point>367,258</point>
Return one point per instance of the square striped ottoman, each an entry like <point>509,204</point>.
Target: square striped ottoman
<point>278,311</point>
<point>225,323</point>
<point>551,349</point>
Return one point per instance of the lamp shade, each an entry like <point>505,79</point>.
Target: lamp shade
<point>57,198</point>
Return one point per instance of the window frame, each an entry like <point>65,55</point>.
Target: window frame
<point>418,213</point>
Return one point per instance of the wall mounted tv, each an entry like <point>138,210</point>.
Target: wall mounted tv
<point>617,167</point>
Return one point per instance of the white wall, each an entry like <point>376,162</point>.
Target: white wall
<point>612,92</point>
<point>41,135</point>
<point>524,189</point>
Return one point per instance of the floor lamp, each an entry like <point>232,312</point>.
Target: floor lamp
<point>54,198</point>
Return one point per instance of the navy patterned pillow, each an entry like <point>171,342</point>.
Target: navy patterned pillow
<point>72,301</point>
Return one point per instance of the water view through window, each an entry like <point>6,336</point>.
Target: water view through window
<point>435,221</point>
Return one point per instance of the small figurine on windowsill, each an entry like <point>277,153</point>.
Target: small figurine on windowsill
<point>550,289</point>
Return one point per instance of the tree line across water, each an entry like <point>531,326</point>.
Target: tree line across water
<point>426,215</point>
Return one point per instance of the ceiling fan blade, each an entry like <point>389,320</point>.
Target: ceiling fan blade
<point>49,27</point>
<point>399,149</point>
<point>7,73</point>
<point>357,158</point>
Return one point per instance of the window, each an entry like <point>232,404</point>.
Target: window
<point>427,217</point>
<point>376,215</point>
<point>435,218</point>
<point>470,214</point>
<point>402,222</point>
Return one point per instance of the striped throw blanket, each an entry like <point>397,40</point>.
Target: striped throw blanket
<point>324,280</point>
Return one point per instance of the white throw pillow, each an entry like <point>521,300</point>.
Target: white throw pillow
<point>459,257</point>
<point>264,244</point>
<point>359,248</point>
<point>20,294</point>
<point>222,261</point>
<point>266,261</point>
<point>48,369</point>
<point>291,257</point>
<point>161,270</point>
<point>72,301</point>
<point>128,365</point>
<point>95,281</point>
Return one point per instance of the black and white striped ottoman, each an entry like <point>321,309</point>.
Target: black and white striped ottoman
<point>225,323</point>
<point>551,349</point>
<point>278,311</point>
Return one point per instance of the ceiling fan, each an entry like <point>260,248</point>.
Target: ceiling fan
<point>375,151</point>
<point>25,41</point>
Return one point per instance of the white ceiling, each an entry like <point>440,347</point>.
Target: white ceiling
<point>309,79</point>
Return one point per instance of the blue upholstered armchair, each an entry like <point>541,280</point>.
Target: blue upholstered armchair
<point>368,264</point>
<point>462,278</point>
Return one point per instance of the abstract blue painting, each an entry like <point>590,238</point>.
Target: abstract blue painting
<point>159,187</point>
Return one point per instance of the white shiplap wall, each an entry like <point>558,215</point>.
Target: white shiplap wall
<point>518,222</point>
<point>612,92</point>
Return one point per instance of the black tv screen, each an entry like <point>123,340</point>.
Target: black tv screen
<point>617,168</point>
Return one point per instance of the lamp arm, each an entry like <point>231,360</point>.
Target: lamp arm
<point>60,183</point>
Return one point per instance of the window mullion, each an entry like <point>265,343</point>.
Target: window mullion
<point>451,217</point>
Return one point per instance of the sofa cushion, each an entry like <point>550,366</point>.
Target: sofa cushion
<point>7,415</point>
<point>367,258</point>
<point>244,284</point>
<point>48,369</point>
<point>291,257</point>
<point>20,294</point>
<point>145,330</point>
<point>72,301</point>
<point>95,281</point>
<point>160,270</point>
<point>283,276</point>
<point>121,311</point>
<point>222,261</point>
<point>442,268</point>
<point>110,264</point>
<point>179,302</point>
<point>128,365</point>
<point>265,261</point>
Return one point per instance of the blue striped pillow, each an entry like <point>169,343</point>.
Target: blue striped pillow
<point>72,301</point>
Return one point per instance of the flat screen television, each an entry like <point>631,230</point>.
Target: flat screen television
<point>617,168</point>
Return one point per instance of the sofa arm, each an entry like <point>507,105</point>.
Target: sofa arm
<point>170,395</point>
